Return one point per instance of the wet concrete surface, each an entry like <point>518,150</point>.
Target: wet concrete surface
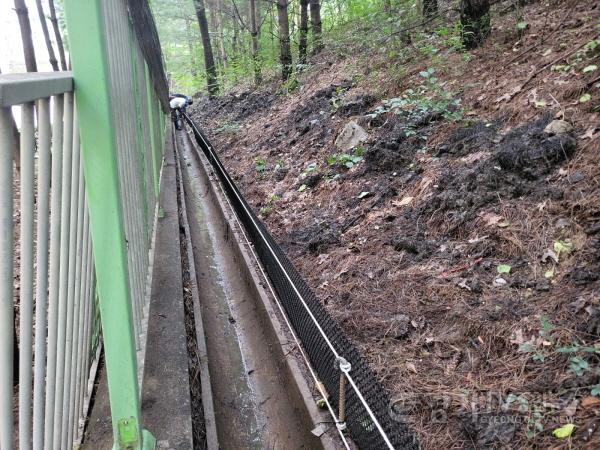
<point>256,406</point>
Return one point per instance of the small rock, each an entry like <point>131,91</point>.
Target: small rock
<point>577,177</point>
<point>351,136</point>
<point>563,222</point>
<point>593,229</point>
<point>500,282</point>
<point>400,326</point>
<point>558,127</point>
<point>542,285</point>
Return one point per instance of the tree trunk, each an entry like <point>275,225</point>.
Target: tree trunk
<point>303,31</point>
<point>188,37</point>
<point>285,55</point>
<point>475,21</point>
<point>221,34</point>
<point>51,55</point>
<point>57,35</point>
<point>236,32</point>
<point>430,8</point>
<point>209,61</point>
<point>387,6</point>
<point>25,26</point>
<point>254,35</point>
<point>315,22</point>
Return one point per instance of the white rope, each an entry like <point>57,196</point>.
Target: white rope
<point>298,294</point>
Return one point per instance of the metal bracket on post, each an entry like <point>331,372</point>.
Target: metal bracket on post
<point>128,433</point>
<point>345,368</point>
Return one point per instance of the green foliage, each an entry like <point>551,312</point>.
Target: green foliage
<point>270,205</point>
<point>345,159</point>
<point>260,164</point>
<point>228,127</point>
<point>309,170</point>
<point>429,97</point>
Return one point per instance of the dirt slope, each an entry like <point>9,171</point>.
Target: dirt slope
<point>461,251</point>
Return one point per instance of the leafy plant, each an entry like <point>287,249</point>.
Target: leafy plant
<point>309,170</point>
<point>260,164</point>
<point>270,205</point>
<point>345,159</point>
<point>429,97</point>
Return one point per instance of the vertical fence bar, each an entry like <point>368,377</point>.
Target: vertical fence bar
<point>6,279</point>
<point>26,275</point>
<point>85,23</point>
<point>43,190</point>
<point>65,238</point>
<point>73,216</point>
<point>79,373</point>
<point>70,410</point>
<point>54,277</point>
<point>153,122</point>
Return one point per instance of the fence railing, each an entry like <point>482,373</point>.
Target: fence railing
<point>78,207</point>
<point>47,277</point>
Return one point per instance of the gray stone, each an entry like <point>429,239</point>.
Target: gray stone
<point>351,136</point>
<point>558,127</point>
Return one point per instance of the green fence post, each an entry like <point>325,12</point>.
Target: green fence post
<point>99,153</point>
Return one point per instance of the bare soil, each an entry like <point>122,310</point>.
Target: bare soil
<point>405,248</point>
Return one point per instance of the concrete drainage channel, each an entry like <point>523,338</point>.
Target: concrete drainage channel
<point>253,385</point>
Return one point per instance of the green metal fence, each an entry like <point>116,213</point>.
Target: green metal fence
<point>77,223</point>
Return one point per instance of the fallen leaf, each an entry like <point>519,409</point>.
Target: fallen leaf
<point>517,337</point>
<point>590,401</point>
<point>477,239</point>
<point>590,133</point>
<point>463,284</point>
<point>564,432</point>
<point>503,268</point>
<point>491,218</point>
<point>572,408</point>
<point>411,367</point>
<point>405,201</point>
<point>550,254</point>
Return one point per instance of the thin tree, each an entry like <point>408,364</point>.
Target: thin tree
<point>315,23</point>
<point>430,8</point>
<point>387,6</point>
<point>51,55</point>
<point>188,38</point>
<point>209,61</point>
<point>285,54</point>
<point>57,35</point>
<point>25,26</point>
<point>475,21</point>
<point>221,33</point>
<point>303,32</point>
<point>254,28</point>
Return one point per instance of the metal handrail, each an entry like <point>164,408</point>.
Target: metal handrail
<point>19,88</point>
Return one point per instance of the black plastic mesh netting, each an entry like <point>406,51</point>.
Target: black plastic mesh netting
<point>287,283</point>
<point>147,36</point>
